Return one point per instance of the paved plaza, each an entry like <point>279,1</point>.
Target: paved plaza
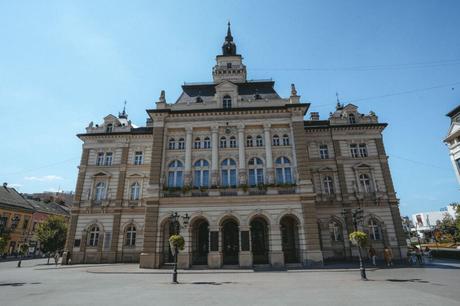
<point>39,284</point>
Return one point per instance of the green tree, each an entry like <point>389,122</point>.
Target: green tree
<point>4,239</point>
<point>52,235</point>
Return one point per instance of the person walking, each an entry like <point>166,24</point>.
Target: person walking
<point>388,256</point>
<point>372,255</point>
<point>418,254</point>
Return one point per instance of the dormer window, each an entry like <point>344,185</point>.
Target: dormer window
<point>109,128</point>
<point>257,97</point>
<point>227,102</point>
<point>199,100</point>
<point>351,119</point>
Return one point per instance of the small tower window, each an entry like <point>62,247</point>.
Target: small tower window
<point>227,102</point>
<point>351,119</point>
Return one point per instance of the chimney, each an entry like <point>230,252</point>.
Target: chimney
<point>314,116</point>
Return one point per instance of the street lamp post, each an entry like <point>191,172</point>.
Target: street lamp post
<point>357,215</point>
<point>175,221</point>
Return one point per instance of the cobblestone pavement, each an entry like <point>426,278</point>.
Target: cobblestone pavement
<point>38,284</point>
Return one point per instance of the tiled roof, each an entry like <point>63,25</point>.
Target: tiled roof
<point>246,88</point>
<point>10,197</point>
<point>49,208</point>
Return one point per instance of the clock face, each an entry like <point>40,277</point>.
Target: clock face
<point>228,131</point>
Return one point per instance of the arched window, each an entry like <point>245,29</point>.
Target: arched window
<point>283,170</point>
<point>181,144</point>
<point>172,144</point>
<point>228,173</point>
<point>197,143</point>
<point>259,141</point>
<point>276,140</point>
<point>223,142</point>
<point>109,128</point>
<point>249,142</point>
<point>207,143</point>
<point>135,191</point>
<point>256,171</point>
<point>227,102</point>
<point>328,185</point>
<point>362,150</point>
<point>335,231</point>
<point>285,140</point>
<point>130,235</point>
<point>232,142</point>
<point>201,173</point>
<point>351,119</point>
<point>93,236</point>
<point>175,174</point>
<point>365,182</point>
<point>374,230</point>
<point>100,191</point>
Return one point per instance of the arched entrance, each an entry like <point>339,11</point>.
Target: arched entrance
<point>230,242</point>
<point>290,239</point>
<point>166,254</point>
<point>200,242</point>
<point>259,241</point>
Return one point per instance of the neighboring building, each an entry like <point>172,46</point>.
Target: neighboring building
<point>16,215</point>
<point>453,140</point>
<point>261,184</point>
<point>60,197</point>
<point>425,222</point>
<point>21,216</point>
<point>42,211</point>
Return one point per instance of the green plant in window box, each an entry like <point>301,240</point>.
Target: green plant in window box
<point>186,188</point>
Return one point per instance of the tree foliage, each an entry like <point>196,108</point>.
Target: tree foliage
<point>52,234</point>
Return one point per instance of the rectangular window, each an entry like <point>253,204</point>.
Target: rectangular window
<point>354,150</point>
<point>108,159</point>
<point>138,158</point>
<point>171,179</point>
<point>362,150</point>
<point>323,152</point>
<point>288,176</point>
<point>205,178</point>
<point>233,177</point>
<point>25,223</point>
<point>279,176</point>
<point>179,181</point>
<point>100,159</point>
<point>225,178</point>
<point>197,180</point>
<point>260,176</point>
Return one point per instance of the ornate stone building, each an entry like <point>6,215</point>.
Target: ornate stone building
<point>453,140</point>
<point>262,184</point>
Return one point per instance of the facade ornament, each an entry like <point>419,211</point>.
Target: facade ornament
<point>293,91</point>
<point>162,97</point>
<point>91,124</point>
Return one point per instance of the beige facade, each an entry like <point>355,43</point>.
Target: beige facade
<point>262,185</point>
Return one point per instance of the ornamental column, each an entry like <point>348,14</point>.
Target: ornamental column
<point>241,156</point>
<point>268,153</point>
<point>215,155</point>
<point>188,156</point>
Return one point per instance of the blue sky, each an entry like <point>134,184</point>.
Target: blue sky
<point>64,64</point>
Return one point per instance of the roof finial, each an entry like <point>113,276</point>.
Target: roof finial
<point>123,114</point>
<point>293,90</point>
<point>338,106</point>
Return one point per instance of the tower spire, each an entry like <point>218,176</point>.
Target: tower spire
<point>229,47</point>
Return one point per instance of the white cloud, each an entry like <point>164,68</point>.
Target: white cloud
<point>45,178</point>
<point>14,185</point>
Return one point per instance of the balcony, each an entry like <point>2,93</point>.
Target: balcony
<point>242,190</point>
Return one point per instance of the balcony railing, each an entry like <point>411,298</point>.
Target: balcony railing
<point>243,190</point>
